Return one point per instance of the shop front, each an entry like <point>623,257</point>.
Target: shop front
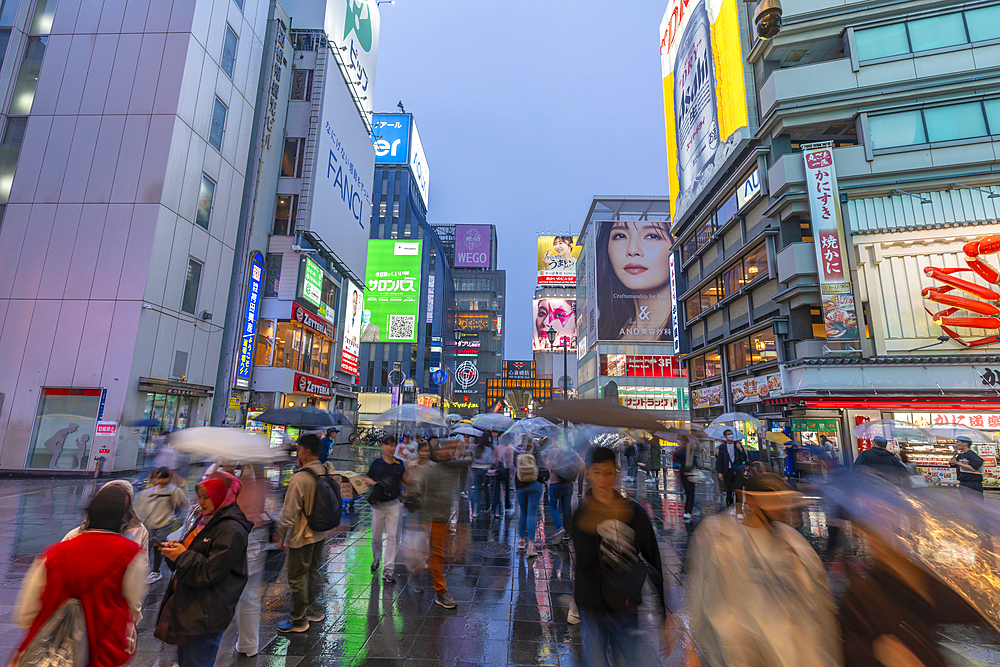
<point>175,405</point>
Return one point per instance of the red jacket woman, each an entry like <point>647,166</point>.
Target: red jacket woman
<point>102,569</point>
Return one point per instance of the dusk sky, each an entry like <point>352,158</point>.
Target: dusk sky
<point>526,111</point>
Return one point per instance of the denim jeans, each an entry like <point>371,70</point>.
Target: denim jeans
<point>561,504</point>
<point>479,498</point>
<point>618,630</point>
<point>155,557</point>
<point>528,498</point>
<point>199,651</point>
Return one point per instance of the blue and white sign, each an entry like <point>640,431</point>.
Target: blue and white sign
<point>244,363</point>
<point>418,164</point>
<point>391,138</point>
<point>748,190</point>
<point>439,377</point>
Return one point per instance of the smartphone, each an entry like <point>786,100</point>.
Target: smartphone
<point>157,543</point>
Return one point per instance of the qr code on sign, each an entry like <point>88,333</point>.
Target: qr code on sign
<point>401,327</point>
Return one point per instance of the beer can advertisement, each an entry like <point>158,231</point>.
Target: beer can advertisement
<point>633,281</point>
<point>557,257</point>
<point>352,329</point>
<point>558,314</point>
<point>704,95</point>
<point>392,299</point>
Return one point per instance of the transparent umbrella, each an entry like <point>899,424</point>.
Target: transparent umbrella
<point>534,428</point>
<point>717,432</point>
<point>412,419</point>
<point>492,422</point>
<point>734,417</point>
<point>953,431</point>
<point>893,429</point>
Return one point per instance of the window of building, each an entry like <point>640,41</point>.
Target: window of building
<point>4,41</point>
<point>239,3</point>
<point>205,196</point>
<point>738,354</point>
<point>763,347</point>
<point>191,282</point>
<point>264,345</point>
<point>732,280</point>
<point>936,32</point>
<point>727,210</point>
<point>706,366</point>
<point>818,326</point>
<point>692,307</point>
<point>897,129</point>
<point>301,349</point>
<point>41,22</point>
<point>10,148</point>
<point>27,76</point>
<point>952,122</point>
<point>993,114</point>
<point>302,83</point>
<point>64,425</point>
<point>956,121</point>
<point>228,60</point>
<point>291,159</point>
<point>8,12</point>
<point>882,42</point>
<point>755,264</point>
<point>284,215</point>
<point>983,23</point>
<point>710,294</point>
<point>218,125</point>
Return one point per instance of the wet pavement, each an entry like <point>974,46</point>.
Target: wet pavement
<point>511,610</point>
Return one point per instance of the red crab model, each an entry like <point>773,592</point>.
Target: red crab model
<point>987,309</point>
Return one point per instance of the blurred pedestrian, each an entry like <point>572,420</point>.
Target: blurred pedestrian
<point>439,495</point>
<point>326,444</point>
<point>252,498</point>
<point>102,569</point>
<point>133,528</point>
<point>685,462</point>
<point>529,487</point>
<point>305,546</point>
<point>482,461</point>
<point>880,461</point>
<point>385,477</point>
<point>156,507</point>
<point>616,549</point>
<point>564,465</point>
<point>502,462</point>
<point>654,460</point>
<point>406,450</point>
<point>630,458</point>
<point>970,467</point>
<point>210,572</point>
<point>730,465</point>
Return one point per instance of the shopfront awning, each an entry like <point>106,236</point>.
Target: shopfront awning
<point>175,388</point>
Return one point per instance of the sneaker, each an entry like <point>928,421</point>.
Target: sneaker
<point>316,618</point>
<point>531,551</point>
<point>559,535</point>
<point>388,578</point>
<point>445,600</point>
<point>687,518</point>
<point>375,564</point>
<point>521,543</point>
<point>288,626</point>
<point>153,577</point>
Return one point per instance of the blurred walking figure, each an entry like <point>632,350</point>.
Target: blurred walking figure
<point>439,495</point>
<point>210,572</point>
<point>970,467</point>
<point>730,465</point>
<point>98,567</point>
<point>305,546</point>
<point>616,549</point>
<point>502,462</point>
<point>685,462</point>
<point>564,466</point>
<point>385,477</point>
<point>880,461</point>
<point>654,460</point>
<point>529,485</point>
<point>156,507</point>
<point>326,444</point>
<point>631,458</point>
<point>757,592</point>
<point>133,528</point>
<point>482,461</point>
<point>251,499</point>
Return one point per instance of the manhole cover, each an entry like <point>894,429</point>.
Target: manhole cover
<point>489,549</point>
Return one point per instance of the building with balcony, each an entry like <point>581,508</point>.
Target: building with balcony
<point>903,96</point>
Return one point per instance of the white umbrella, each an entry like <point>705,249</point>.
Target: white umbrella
<point>953,431</point>
<point>716,431</point>
<point>893,429</point>
<point>492,422</point>
<point>734,417</point>
<point>413,419</point>
<point>225,444</point>
<point>468,429</point>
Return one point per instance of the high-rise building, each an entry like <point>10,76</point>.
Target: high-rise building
<point>123,160</point>
<point>819,236</point>
<point>477,337</point>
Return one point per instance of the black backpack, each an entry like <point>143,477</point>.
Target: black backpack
<point>327,503</point>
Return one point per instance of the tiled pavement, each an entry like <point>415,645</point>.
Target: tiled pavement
<point>511,610</point>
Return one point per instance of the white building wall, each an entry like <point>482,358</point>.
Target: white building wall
<point>95,240</point>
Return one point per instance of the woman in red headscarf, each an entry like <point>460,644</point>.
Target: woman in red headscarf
<point>210,571</point>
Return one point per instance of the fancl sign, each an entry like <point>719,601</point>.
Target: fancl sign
<point>249,333</point>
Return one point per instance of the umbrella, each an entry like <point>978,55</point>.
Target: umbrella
<point>948,535</point>
<point>953,431</point>
<point>716,431</point>
<point>452,418</point>
<point>534,428</point>
<point>225,444</point>
<point>466,429</point>
<point>305,417</point>
<point>600,412</point>
<point>776,436</point>
<point>143,423</point>
<point>734,417</point>
<point>492,422</point>
<point>892,429</point>
<point>681,436</point>
<point>413,419</point>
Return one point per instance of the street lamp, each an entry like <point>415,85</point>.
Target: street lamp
<point>551,335</point>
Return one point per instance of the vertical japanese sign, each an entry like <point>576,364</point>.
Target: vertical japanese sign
<point>673,306</point>
<point>245,361</point>
<point>839,314</point>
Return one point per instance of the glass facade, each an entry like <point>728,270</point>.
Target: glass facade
<point>64,429</point>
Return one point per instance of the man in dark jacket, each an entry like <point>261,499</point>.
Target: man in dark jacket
<point>970,467</point>
<point>730,465</point>
<point>880,461</point>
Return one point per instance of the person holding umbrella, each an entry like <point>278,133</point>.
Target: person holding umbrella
<point>730,465</point>
<point>970,467</point>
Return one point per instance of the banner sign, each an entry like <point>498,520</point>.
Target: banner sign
<point>558,314</point>
<point>749,390</point>
<point>839,313</point>
<point>392,301</point>
<point>244,363</point>
<point>557,257</point>
<point>310,384</point>
<point>467,347</point>
<point>474,321</point>
<point>814,425</point>
<point>311,321</point>
<point>518,370</point>
<point>352,329</point>
<point>707,397</point>
<point>651,366</point>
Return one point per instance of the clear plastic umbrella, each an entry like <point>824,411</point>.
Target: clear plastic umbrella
<point>412,419</point>
<point>893,429</point>
<point>534,428</point>
<point>951,432</point>
<point>735,417</point>
<point>468,429</point>
<point>717,431</point>
<point>493,422</point>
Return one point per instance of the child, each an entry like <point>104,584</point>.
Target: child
<point>155,507</point>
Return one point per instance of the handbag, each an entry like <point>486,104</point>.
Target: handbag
<point>61,641</point>
<point>413,502</point>
<point>162,630</point>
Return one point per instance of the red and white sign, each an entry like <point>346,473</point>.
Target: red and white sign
<point>107,428</point>
<point>709,397</point>
<point>467,347</point>
<point>310,384</point>
<point>985,420</point>
<point>652,366</point>
<point>864,444</point>
<point>311,320</point>
<point>352,330</point>
<point>824,205</point>
<point>665,402</point>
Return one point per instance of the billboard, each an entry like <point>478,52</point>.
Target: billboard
<point>353,25</point>
<point>557,257</point>
<point>249,334</point>
<point>558,314</point>
<point>340,201</point>
<point>704,95</point>
<point>418,164</point>
<point>351,347</point>
<point>632,294</point>
<point>472,246</point>
<point>392,301</point>
<point>391,138</point>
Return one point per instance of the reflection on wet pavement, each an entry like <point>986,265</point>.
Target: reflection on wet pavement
<point>511,610</point>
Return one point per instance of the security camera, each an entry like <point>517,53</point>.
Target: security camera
<point>767,18</point>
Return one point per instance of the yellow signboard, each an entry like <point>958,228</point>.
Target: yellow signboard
<point>234,402</point>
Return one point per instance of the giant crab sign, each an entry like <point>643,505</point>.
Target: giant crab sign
<point>987,312</point>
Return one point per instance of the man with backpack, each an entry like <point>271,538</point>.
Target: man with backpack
<point>312,507</point>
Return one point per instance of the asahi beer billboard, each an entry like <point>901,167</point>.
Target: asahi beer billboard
<point>704,98</point>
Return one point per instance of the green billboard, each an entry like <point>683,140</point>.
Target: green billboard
<point>392,292</point>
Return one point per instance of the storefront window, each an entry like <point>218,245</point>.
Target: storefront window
<point>755,264</point>
<point>64,429</point>
<point>739,354</point>
<point>265,343</point>
<point>301,350</point>
<point>706,366</point>
<point>764,348</point>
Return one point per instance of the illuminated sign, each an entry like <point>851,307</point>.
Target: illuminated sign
<point>518,370</point>
<point>557,256</point>
<point>749,190</point>
<point>244,364</point>
<point>540,388</point>
<point>467,347</point>
<point>466,375</point>
<point>309,320</point>
<point>472,246</point>
<point>474,321</point>
<point>312,282</point>
<point>352,329</point>
<point>392,299</point>
<point>309,384</point>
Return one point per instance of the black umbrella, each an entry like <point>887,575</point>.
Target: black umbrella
<point>145,422</point>
<point>306,417</point>
<point>599,412</point>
